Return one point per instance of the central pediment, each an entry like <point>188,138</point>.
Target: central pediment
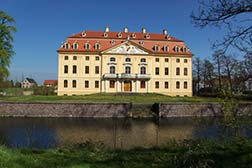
<point>126,48</point>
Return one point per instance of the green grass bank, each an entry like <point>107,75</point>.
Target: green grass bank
<point>195,153</point>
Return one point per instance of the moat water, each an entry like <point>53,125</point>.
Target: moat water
<point>113,133</point>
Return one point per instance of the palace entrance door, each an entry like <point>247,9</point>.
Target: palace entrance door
<point>127,86</point>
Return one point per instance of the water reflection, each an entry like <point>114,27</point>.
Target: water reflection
<point>114,133</point>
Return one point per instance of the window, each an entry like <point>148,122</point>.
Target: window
<point>112,59</point>
<point>97,58</point>
<point>176,49</point>
<point>112,70</point>
<point>127,60</point>
<point>177,85</point>
<point>142,70</point>
<point>142,84</point>
<point>74,83</point>
<point>157,59</point>
<point>74,57</point>
<point>65,84</point>
<point>166,48</point>
<point>66,45</point>
<point>184,49</point>
<point>87,58</point>
<point>185,60</point>
<point>65,69</point>
<point>111,84</point>
<point>166,59</point>
<point>66,57</point>
<point>86,69</point>
<point>166,71</point>
<point>86,84</point>
<point>143,60</point>
<point>74,69</point>
<point>75,46</point>
<point>127,70</point>
<point>96,69</point>
<point>97,46</point>
<point>157,85</point>
<point>177,71</point>
<point>96,84</point>
<point>185,85</point>
<point>166,85</point>
<point>178,60</point>
<point>157,71</point>
<point>156,48</point>
<point>87,46</point>
<point>185,72</point>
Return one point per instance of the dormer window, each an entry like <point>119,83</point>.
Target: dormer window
<point>67,46</point>
<point>156,48</point>
<point>87,46</point>
<point>75,46</point>
<point>119,35</point>
<point>112,59</point>
<point>184,49</point>
<point>127,60</point>
<point>133,35</point>
<point>143,60</point>
<point>147,36</point>
<point>176,49</point>
<point>166,48</point>
<point>83,34</point>
<point>105,34</point>
<point>112,42</point>
<point>141,42</point>
<point>97,46</point>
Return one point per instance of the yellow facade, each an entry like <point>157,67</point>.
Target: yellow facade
<point>126,68</point>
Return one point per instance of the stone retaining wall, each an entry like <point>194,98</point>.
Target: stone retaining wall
<point>117,110</point>
<point>64,109</point>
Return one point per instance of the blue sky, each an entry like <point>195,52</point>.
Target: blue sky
<point>43,24</point>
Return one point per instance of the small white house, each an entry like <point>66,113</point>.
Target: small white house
<point>28,83</point>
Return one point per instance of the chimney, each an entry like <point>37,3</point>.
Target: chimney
<point>125,29</point>
<point>106,29</point>
<point>165,32</point>
<point>143,30</point>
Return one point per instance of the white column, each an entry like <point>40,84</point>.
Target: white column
<point>105,86</point>
<point>148,86</point>
<point>117,86</point>
<point>122,86</point>
<point>137,86</point>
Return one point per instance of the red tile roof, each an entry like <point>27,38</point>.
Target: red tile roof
<point>114,38</point>
<point>51,82</point>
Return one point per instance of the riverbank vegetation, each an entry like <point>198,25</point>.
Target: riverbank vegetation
<point>190,153</point>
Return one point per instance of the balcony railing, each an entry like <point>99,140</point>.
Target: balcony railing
<point>126,76</point>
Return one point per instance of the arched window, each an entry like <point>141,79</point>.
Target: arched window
<point>112,59</point>
<point>127,60</point>
<point>156,48</point>
<point>177,71</point>
<point>166,48</point>
<point>112,70</point>
<point>97,46</point>
<point>142,70</point>
<point>74,83</point>
<point>67,46</point>
<point>75,46</point>
<point>87,46</point>
<point>127,70</point>
<point>143,60</point>
<point>177,85</point>
<point>176,49</point>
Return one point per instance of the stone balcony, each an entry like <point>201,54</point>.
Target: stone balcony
<point>126,76</point>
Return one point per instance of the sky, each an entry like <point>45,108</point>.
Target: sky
<point>43,24</point>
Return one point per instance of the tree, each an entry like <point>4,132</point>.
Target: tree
<point>208,74</point>
<point>6,47</point>
<point>197,73</point>
<point>233,15</point>
<point>217,60</point>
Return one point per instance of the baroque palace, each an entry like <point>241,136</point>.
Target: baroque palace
<point>131,62</point>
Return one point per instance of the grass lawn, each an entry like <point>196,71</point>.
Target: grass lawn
<point>109,98</point>
<point>235,153</point>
